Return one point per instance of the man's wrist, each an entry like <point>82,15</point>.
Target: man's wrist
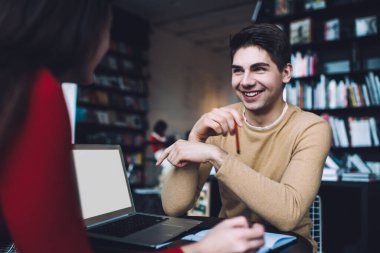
<point>218,156</point>
<point>195,138</point>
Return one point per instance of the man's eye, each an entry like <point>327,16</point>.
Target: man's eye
<point>237,71</point>
<point>259,69</point>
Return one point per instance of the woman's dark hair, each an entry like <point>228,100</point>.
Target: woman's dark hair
<point>266,36</point>
<point>61,35</point>
<point>160,127</point>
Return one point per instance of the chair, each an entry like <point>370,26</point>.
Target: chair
<point>316,218</point>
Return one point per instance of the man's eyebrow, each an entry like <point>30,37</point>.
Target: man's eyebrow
<point>260,64</point>
<point>255,65</point>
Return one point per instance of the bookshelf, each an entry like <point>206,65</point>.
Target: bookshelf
<point>113,109</point>
<point>336,63</point>
<point>336,60</point>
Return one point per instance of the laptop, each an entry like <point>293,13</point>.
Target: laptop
<point>107,205</point>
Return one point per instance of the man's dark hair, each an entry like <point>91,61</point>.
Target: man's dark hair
<point>61,35</point>
<point>266,36</point>
<point>160,127</point>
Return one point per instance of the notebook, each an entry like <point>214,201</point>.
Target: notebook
<point>273,241</point>
<point>107,205</point>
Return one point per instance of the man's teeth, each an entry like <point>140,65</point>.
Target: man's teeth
<point>251,94</point>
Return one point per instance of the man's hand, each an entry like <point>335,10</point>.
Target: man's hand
<point>183,152</point>
<point>220,121</point>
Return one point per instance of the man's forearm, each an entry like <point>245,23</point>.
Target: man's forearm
<point>179,190</point>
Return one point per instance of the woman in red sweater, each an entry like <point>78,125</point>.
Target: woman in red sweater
<point>43,43</point>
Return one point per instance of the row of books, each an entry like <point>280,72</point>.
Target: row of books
<point>120,47</point>
<point>120,64</point>
<point>332,94</point>
<point>355,132</point>
<point>304,65</point>
<point>134,173</point>
<point>301,30</point>
<point>124,139</point>
<point>134,158</point>
<point>98,97</point>
<point>121,82</point>
<point>364,26</point>
<point>351,168</point>
<point>286,7</point>
<point>109,118</point>
<point>123,48</point>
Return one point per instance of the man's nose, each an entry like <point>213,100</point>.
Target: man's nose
<point>248,79</point>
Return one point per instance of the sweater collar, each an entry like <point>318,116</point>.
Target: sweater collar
<point>270,126</point>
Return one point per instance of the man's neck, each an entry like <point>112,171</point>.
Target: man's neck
<point>265,118</point>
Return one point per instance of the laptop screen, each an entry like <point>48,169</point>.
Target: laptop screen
<point>102,183</point>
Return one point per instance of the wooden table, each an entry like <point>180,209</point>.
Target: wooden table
<point>301,245</point>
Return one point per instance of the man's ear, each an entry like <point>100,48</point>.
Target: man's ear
<point>287,73</point>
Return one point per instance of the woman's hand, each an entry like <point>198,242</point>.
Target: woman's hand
<point>230,236</point>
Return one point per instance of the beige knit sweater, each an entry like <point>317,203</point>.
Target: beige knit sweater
<point>274,179</point>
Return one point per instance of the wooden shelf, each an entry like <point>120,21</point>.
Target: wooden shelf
<point>108,71</point>
<point>111,108</point>
<point>331,11</point>
<point>356,149</point>
<point>115,90</point>
<point>349,111</point>
<point>341,43</point>
<point>340,76</point>
<point>134,58</point>
<point>89,126</point>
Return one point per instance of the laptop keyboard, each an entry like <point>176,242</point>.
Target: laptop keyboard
<point>128,225</point>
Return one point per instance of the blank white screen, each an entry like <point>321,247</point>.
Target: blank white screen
<point>101,182</point>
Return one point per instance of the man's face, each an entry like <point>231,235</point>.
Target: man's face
<point>257,81</point>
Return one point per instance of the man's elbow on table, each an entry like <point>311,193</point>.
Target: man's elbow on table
<point>173,205</point>
<point>171,210</point>
<point>287,226</point>
<point>287,221</point>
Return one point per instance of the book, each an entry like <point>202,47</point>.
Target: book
<point>375,167</point>
<point>330,163</point>
<point>272,240</point>
<point>374,85</point>
<point>332,94</point>
<point>330,174</point>
<point>256,11</point>
<point>342,133</point>
<point>360,132</point>
<point>336,67</point>
<point>365,26</point>
<point>358,177</point>
<point>300,31</point>
<point>315,4</point>
<point>374,132</point>
<point>283,7</point>
<point>355,162</point>
<point>372,63</point>
<point>332,29</point>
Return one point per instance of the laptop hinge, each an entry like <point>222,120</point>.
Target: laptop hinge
<point>109,220</point>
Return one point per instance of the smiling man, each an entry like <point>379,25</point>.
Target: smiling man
<point>276,176</point>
